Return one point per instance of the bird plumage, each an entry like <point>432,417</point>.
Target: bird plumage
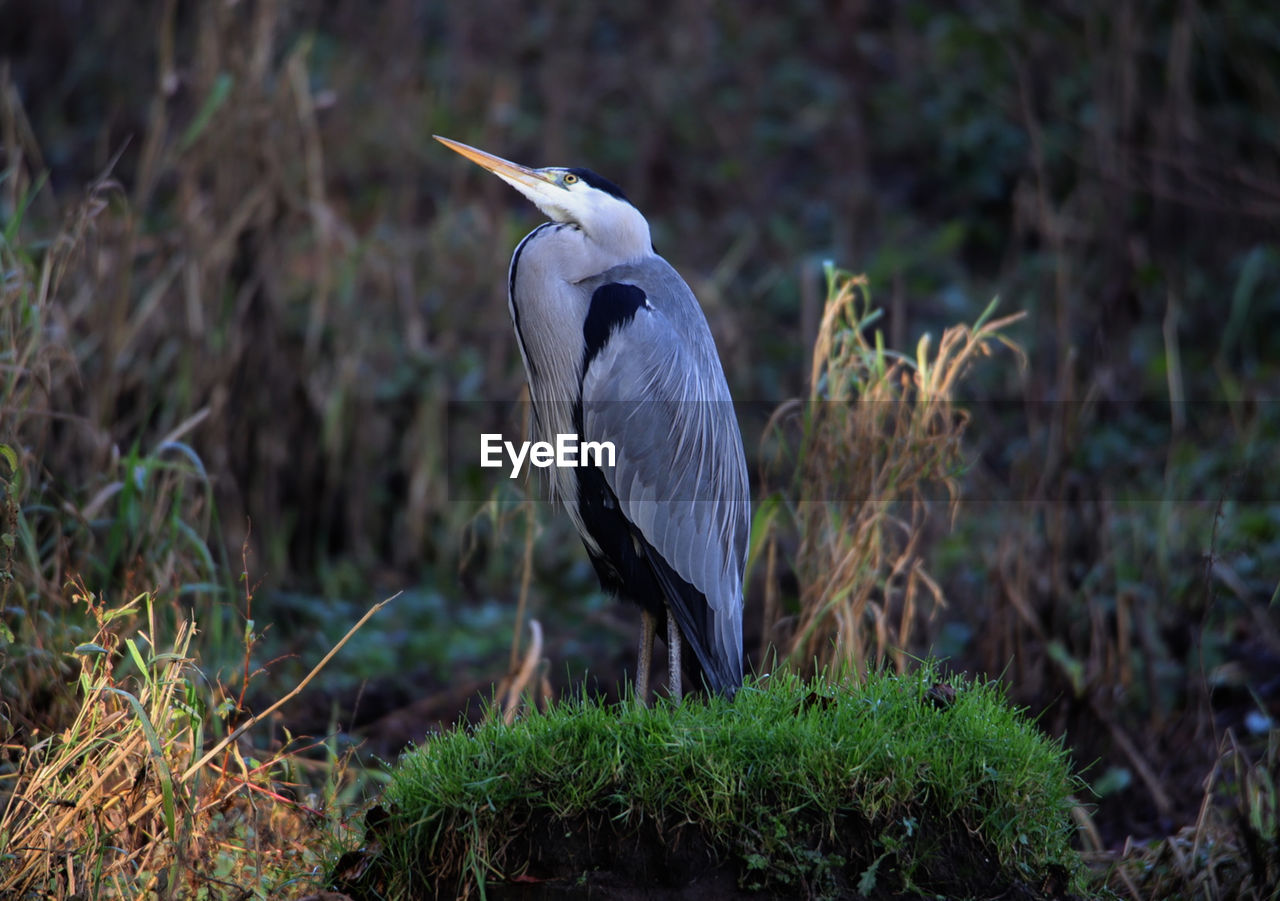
<point>657,391</point>
<point>616,348</point>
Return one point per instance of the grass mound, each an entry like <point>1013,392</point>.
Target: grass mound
<point>798,788</point>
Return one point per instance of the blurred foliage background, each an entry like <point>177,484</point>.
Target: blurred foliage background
<point>243,285</point>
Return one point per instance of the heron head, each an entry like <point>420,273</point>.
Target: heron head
<point>574,196</point>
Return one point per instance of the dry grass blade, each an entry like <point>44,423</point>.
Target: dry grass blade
<point>292,693</point>
<point>100,808</point>
<point>78,792</point>
<point>879,434</point>
<point>1226,853</point>
<point>512,687</point>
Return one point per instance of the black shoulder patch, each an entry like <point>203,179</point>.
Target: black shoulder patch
<point>612,306</point>
<point>599,182</point>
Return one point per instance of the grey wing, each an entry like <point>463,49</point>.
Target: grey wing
<point>656,390</point>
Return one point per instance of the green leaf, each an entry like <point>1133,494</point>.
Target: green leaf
<point>137,656</point>
<point>156,756</point>
<point>217,96</point>
<point>10,456</point>
<point>867,881</point>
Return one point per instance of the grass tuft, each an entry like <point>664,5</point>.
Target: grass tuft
<point>126,802</point>
<point>862,461</point>
<point>814,783</point>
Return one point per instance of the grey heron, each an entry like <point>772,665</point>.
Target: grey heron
<point>616,348</point>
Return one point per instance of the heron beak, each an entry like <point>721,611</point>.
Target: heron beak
<point>529,182</point>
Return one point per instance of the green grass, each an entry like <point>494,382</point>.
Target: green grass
<point>797,783</point>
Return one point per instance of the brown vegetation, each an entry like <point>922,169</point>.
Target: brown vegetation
<point>240,289</point>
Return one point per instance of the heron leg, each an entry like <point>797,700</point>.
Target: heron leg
<point>647,628</point>
<point>675,686</point>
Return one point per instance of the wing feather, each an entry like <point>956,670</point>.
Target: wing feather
<point>656,390</point>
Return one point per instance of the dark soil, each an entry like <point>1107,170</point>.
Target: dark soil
<point>602,857</point>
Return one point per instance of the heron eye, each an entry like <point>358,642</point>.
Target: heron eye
<point>570,178</point>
